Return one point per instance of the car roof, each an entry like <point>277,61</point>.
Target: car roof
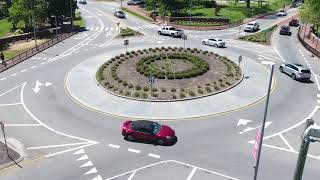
<point>142,124</point>
<point>252,22</point>
<point>300,66</point>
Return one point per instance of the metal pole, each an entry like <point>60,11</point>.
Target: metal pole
<point>190,3</point>
<point>71,16</point>
<point>302,154</point>
<point>55,18</point>
<point>121,4</point>
<point>256,167</point>
<point>33,24</point>
<point>151,89</point>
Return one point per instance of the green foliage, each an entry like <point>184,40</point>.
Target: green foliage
<point>17,32</point>
<point>261,37</point>
<point>125,32</point>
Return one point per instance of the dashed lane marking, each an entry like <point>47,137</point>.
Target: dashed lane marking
<point>134,150</point>
<point>131,175</point>
<point>32,67</point>
<point>192,173</point>
<point>3,79</point>
<point>154,155</point>
<point>14,74</point>
<point>22,125</point>
<point>114,146</point>
<point>24,70</point>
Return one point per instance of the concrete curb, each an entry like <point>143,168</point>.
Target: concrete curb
<point>11,163</point>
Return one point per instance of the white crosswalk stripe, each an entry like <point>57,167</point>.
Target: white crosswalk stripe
<point>107,28</point>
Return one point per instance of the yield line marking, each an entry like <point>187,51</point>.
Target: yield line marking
<point>33,67</point>
<point>24,70</point>
<point>192,173</point>
<point>134,150</point>
<point>2,79</point>
<point>59,145</point>
<point>22,125</point>
<point>132,174</point>
<point>12,104</point>
<point>286,142</point>
<point>154,155</point>
<point>114,146</point>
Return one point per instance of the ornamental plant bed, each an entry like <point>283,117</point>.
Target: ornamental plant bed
<point>179,73</point>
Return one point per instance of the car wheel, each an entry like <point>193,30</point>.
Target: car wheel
<point>204,43</point>
<point>160,142</point>
<point>293,76</point>
<point>281,69</point>
<point>130,138</point>
<point>159,32</point>
<point>215,45</point>
<point>172,35</point>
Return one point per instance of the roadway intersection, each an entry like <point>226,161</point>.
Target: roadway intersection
<point>63,139</point>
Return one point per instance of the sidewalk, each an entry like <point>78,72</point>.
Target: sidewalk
<point>309,40</point>
<point>82,87</point>
<point>5,161</point>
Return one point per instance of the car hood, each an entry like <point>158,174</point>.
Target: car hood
<point>166,131</point>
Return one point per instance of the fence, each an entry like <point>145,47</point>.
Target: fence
<point>302,34</point>
<point>33,51</point>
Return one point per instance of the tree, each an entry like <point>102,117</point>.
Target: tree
<point>61,8</point>
<point>310,13</point>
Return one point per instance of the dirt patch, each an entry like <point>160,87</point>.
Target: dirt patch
<point>20,45</point>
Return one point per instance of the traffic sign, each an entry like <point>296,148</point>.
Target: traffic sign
<point>151,79</point>
<point>126,42</point>
<point>184,37</point>
<point>240,59</point>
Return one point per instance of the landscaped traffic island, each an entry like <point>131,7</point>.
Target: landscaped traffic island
<point>178,74</point>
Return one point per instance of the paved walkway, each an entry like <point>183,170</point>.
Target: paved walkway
<point>82,87</point>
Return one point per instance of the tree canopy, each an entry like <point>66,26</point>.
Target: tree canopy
<point>309,12</point>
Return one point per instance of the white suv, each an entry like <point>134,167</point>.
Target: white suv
<point>296,71</point>
<point>216,42</point>
<point>251,27</point>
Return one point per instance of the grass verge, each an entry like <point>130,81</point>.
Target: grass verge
<point>197,24</point>
<point>136,14</point>
<point>263,36</point>
<point>11,53</point>
<point>126,32</point>
<point>78,21</point>
<point>5,27</point>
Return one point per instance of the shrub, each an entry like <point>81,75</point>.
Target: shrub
<point>208,89</point>
<point>131,56</point>
<point>228,83</point>
<point>222,85</point>
<point>150,49</point>
<point>106,83</point>
<point>154,89</point>
<point>155,95</point>
<point>174,97</point>
<point>191,93</point>
<point>17,32</point>
<point>145,88</point>
<point>144,95</point>
<point>217,88</point>
<point>115,89</point>
<point>182,95</point>
<point>128,53</point>
<point>136,94</point>
<point>124,83</point>
<point>182,89</point>
<point>120,81</point>
<point>145,50</point>
<point>138,87</point>
<point>163,89</point>
<point>117,57</point>
<point>121,55</point>
<point>173,90</point>
<point>121,91</point>
<point>130,85</point>
<point>200,91</point>
<point>127,93</point>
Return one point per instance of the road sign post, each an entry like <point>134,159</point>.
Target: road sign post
<point>151,81</point>
<point>126,43</point>
<point>118,24</point>
<point>240,59</point>
<point>184,37</point>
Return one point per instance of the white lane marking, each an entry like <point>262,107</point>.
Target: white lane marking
<point>36,89</point>
<point>92,171</point>
<point>192,173</point>
<point>3,79</point>
<point>11,90</point>
<point>132,174</point>
<point>134,150</point>
<point>111,29</point>
<point>114,146</point>
<point>89,142</point>
<point>58,145</point>
<point>44,63</point>
<point>24,70</point>
<point>264,57</point>
<point>22,125</point>
<point>97,29</point>
<point>318,95</point>
<point>14,74</point>
<point>318,101</point>
<point>280,55</point>
<point>33,67</point>
<point>294,126</point>
<point>154,155</point>
<point>87,164</point>
<point>286,142</point>
<point>317,82</point>
<point>106,28</point>
<point>84,157</point>
<point>243,122</point>
<point>81,151</point>
<point>97,178</point>
<point>11,104</point>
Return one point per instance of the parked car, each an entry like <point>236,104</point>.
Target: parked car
<point>282,13</point>
<point>251,27</point>
<point>149,132</point>
<point>82,1</point>
<point>134,2</point>
<point>285,30</point>
<point>119,14</point>
<point>296,71</point>
<point>170,31</point>
<point>294,22</point>
<point>216,42</point>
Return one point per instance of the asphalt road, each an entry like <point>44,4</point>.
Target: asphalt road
<point>63,140</point>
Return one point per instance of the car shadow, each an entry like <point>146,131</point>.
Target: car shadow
<point>152,142</point>
<point>306,81</point>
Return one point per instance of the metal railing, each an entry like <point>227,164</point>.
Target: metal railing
<point>33,51</point>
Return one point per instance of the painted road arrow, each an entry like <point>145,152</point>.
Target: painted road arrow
<point>39,84</point>
<point>268,123</point>
<point>243,122</point>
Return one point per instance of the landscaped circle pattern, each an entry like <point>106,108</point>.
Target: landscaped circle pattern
<point>180,74</point>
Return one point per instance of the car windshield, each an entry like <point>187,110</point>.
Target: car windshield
<point>219,40</point>
<point>171,28</point>
<point>250,24</point>
<point>120,12</point>
<point>156,128</point>
<point>306,71</point>
<point>285,27</point>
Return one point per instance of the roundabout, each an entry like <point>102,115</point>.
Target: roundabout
<point>82,86</point>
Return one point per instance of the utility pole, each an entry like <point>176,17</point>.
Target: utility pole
<point>302,154</point>
<point>34,28</point>
<point>190,3</point>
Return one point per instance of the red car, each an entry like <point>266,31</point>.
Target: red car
<point>148,131</point>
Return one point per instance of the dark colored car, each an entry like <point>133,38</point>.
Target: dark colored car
<point>149,132</point>
<point>134,2</point>
<point>294,22</point>
<point>285,30</point>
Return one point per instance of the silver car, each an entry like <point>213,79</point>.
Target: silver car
<point>216,42</point>
<point>119,14</point>
<point>296,71</point>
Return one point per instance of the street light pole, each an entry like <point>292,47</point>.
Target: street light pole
<point>190,3</point>
<point>71,15</point>
<point>55,18</point>
<point>34,28</point>
<point>256,166</point>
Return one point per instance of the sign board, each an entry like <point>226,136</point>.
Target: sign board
<point>256,145</point>
<point>126,42</point>
<point>184,37</point>
<point>151,79</point>
<point>312,133</point>
<point>240,59</point>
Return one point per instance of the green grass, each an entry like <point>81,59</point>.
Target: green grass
<point>78,21</point>
<point>5,27</point>
<point>126,32</point>
<point>260,37</point>
<point>137,15</point>
<point>11,53</point>
<point>200,24</point>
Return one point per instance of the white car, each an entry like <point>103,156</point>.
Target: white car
<point>251,27</point>
<point>170,31</point>
<point>282,13</point>
<point>82,1</point>
<point>216,42</point>
<point>119,14</point>
<point>296,71</point>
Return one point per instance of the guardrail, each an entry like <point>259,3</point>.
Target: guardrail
<point>33,51</point>
<point>305,44</point>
